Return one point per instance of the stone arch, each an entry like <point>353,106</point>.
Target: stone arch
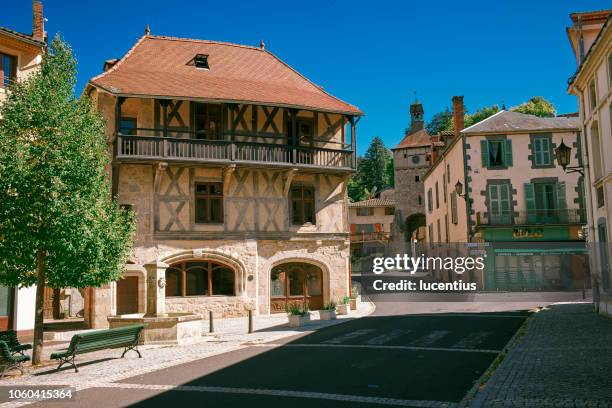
<point>208,254</point>
<point>305,258</point>
<point>412,223</point>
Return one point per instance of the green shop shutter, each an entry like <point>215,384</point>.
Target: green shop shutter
<point>508,153</point>
<point>530,202</point>
<point>484,153</point>
<point>562,202</point>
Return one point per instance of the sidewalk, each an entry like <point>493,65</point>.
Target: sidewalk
<point>564,359</point>
<point>230,334</point>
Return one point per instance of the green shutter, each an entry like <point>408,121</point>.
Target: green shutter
<point>508,153</point>
<point>454,207</point>
<point>504,192</point>
<point>484,153</point>
<point>537,151</point>
<point>562,202</point>
<point>530,202</point>
<point>545,160</point>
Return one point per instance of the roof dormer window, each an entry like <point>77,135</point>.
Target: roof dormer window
<point>201,61</point>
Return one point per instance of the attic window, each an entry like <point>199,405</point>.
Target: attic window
<point>201,61</point>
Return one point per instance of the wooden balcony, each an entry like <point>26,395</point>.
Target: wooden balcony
<point>144,148</point>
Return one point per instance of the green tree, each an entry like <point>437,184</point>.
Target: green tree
<point>537,106</point>
<point>480,115</point>
<point>58,224</point>
<point>373,171</point>
<point>440,121</point>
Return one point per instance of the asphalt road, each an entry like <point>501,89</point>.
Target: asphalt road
<point>387,359</point>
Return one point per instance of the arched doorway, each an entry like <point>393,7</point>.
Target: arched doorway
<point>413,223</point>
<point>295,283</point>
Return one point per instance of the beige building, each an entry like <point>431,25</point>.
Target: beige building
<point>591,38</point>
<point>237,168</point>
<point>498,182</point>
<point>371,223</point>
<point>20,56</point>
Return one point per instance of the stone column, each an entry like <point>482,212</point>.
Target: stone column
<point>156,289</point>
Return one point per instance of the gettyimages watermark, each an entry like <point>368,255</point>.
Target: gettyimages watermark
<point>480,271</point>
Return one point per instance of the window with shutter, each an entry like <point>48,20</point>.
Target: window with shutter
<point>454,208</point>
<point>542,151</point>
<point>496,153</point>
<point>530,203</point>
<point>499,204</point>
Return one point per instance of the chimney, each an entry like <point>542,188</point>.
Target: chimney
<point>458,114</point>
<point>38,24</point>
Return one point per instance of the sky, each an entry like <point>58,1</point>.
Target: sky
<point>373,54</point>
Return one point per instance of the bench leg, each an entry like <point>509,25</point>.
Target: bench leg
<point>7,368</point>
<point>67,360</point>
<point>128,348</point>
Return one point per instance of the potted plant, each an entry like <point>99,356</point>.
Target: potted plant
<point>329,312</point>
<point>298,316</point>
<point>355,298</point>
<point>344,308</point>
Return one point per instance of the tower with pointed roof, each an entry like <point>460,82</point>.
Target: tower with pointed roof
<point>410,163</point>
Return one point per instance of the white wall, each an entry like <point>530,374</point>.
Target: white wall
<point>26,304</point>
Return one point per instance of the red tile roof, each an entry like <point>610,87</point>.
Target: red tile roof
<point>160,67</point>
<point>420,138</point>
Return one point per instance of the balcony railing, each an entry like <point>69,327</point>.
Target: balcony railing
<point>533,217</point>
<point>199,150</point>
<point>370,236</point>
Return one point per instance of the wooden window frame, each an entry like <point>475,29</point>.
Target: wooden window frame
<point>13,70</point>
<point>134,130</point>
<point>208,198</point>
<point>303,200</point>
<point>184,267</point>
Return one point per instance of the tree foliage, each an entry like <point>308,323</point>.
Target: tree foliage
<point>440,121</point>
<point>55,192</point>
<point>373,174</point>
<point>537,106</point>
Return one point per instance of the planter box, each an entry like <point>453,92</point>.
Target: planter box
<point>327,314</point>
<point>298,321</point>
<point>353,304</point>
<point>343,309</point>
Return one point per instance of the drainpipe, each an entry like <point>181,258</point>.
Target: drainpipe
<point>467,189</point>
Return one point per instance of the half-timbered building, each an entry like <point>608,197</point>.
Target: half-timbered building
<point>236,167</point>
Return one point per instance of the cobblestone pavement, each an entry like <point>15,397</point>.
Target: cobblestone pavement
<point>564,359</point>
<point>105,366</point>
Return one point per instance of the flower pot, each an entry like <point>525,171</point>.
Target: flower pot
<point>327,314</point>
<point>299,320</point>
<point>343,309</point>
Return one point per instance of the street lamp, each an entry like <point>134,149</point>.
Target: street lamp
<point>459,189</point>
<point>563,155</point>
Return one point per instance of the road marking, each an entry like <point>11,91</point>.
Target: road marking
<point>349,336</point>
<point>387,337</point>
<point>464,315</point>
<point>472,340</point>
<point>382,347</point>
<point>287,393</point>
<point>429,338</point>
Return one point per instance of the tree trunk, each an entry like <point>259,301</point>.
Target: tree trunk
<point>41,266</point>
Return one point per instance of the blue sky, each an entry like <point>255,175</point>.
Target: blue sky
<point>371,54</point>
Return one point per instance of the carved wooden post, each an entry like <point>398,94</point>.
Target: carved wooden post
<point>294,137</point>
<point>156,289</point>
<point>353,142</point>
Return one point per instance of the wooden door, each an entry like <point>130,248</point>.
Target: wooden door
<point>127,295</point>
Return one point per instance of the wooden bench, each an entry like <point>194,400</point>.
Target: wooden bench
<point>9,361</point>
<point>11,340</point>
<point>126,337</point>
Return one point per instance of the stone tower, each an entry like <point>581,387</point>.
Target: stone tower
<point>410,163</point>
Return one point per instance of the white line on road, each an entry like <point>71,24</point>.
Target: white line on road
<point>287,393</point>
<point>371,346</point>
<point>475,314</point>
<point>387,337</point>
<point>349,336</point>
<point>429,338</point>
